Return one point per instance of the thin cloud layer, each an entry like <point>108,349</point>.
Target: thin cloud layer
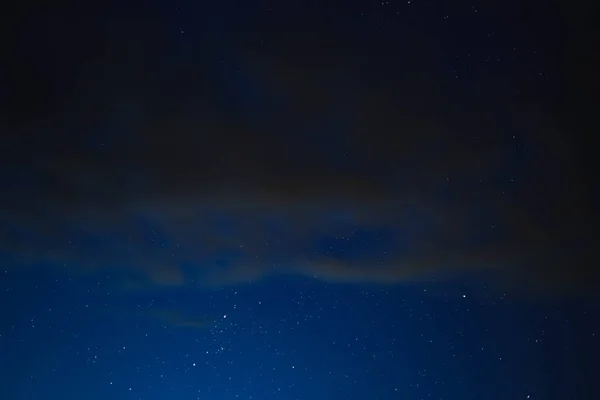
<point>269,161</point>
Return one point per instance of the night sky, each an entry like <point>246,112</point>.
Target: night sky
<point>299,200</point>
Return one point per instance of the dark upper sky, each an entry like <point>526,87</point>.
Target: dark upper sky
<point>264,137</point>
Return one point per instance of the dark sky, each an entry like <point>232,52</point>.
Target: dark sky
<point>196,146</point>
<point>451,127</point>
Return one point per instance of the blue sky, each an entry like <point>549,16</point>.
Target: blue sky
<point>367,200</point>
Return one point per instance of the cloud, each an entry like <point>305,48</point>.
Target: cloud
<point>268,162</point>
<point>178,319</point>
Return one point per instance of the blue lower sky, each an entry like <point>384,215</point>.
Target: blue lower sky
<point>290,338</point>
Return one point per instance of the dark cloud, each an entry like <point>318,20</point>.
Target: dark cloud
<point>196,165</point>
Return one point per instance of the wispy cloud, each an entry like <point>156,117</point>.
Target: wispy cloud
<point>384,180</point>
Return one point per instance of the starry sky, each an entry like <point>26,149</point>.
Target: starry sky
<point>305,199</point>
